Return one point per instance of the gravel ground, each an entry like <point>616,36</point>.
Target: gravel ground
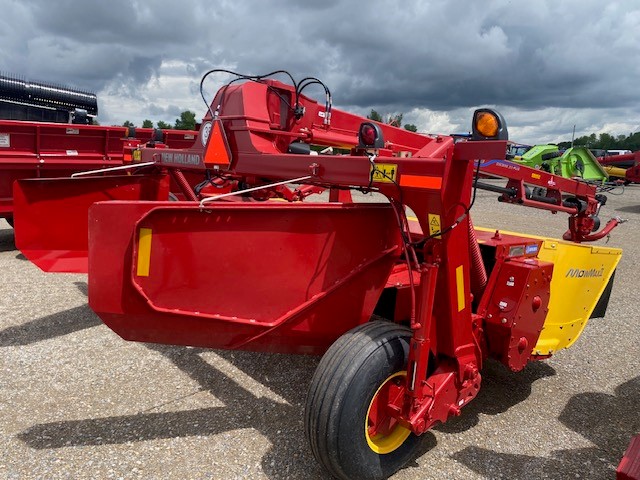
<point>76,401</point>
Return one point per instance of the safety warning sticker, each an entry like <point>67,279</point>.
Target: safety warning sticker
<point>434,225</point>
<point>384,172</point>
<point>5,140</point>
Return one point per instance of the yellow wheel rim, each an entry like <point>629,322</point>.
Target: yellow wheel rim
<point>394,434</point>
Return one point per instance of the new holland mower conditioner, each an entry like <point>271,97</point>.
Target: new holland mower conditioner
<point>405,308</point>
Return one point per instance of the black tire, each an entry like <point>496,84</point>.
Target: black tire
<point>342,389</point>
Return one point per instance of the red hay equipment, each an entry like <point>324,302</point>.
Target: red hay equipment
<point>48,150</point>
<point>250,265</point>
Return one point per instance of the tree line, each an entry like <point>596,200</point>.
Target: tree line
<point>187,121</point>
<point>606,141</point>
<point>393,120</point>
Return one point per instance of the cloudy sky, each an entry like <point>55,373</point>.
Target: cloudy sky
<point>546,64</point>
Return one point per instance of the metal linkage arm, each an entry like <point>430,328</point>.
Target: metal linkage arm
<point>558,194</point>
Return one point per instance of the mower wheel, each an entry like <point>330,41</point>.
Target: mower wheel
<point>346,418</point>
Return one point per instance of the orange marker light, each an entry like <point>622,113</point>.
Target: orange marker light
<point>487,124</point>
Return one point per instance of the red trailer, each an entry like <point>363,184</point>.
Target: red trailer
<point>45,150</point>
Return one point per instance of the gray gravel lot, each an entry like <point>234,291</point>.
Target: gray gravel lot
<point>76,401</point>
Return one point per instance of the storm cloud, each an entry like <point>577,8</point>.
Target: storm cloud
<point>547,65</point>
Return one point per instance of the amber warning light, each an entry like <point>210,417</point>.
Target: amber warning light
<point>489,125</point>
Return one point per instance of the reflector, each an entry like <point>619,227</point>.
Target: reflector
<point>217,150</point>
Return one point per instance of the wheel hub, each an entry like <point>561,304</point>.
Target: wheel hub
<point>383,432</point>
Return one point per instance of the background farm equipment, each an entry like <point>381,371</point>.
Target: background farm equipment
<point>46,131</point>
<point>625,166</point>
<point>575,162</point>
<point>45,150</point>
<point>237,270</point>
<point>45,102</point>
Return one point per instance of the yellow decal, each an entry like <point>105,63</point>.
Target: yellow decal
<point>384,172</point>
<point>434,225</point>
<point>137,155</point>
<point>460,287</point>
<point>535,175</point>
<point>144,252</point>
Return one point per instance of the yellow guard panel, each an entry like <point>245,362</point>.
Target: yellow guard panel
<point>580,274</point>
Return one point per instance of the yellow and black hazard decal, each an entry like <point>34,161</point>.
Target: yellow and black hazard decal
<point>384,172</point>
<point>435,226</point>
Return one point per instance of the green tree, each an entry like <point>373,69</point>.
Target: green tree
<point>607,141</point>
<point>375,116</point>
<point>128,123</point>
<point>147,124</point>
<point>187,121</point>
<point>164,125</point>
<point>395,120</point>
<point>589,141</point>
<point>632,142</point>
